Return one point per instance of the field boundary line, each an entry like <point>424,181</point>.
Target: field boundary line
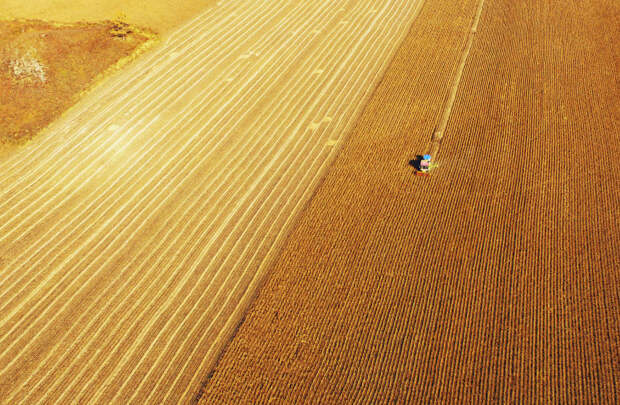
<point>449,104</point>
<point>253,202</point>
<point>236,319</point>
<point>262,241</point>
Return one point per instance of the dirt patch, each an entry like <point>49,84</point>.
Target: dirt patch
<point>44,67</point>
<point>159,15</point>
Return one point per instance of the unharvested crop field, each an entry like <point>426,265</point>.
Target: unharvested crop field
<point>44,67</point>
<point>493,280</point>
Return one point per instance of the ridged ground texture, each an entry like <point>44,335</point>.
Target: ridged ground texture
<point>496,279</point>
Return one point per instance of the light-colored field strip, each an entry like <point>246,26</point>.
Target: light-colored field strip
<point>131,241</point>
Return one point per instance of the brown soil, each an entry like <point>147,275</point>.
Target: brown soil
<point>493,280</point>
<point>162,16</point>
<point>44,68</point>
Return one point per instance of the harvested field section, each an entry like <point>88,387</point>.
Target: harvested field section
<point>494,279</point>
<point>132,235</point>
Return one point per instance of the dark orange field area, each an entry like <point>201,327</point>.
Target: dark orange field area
<point>495,279</point>
<point>44,67</point>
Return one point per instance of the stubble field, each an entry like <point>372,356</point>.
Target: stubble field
<point>133,233</point>
<point>493,280</point>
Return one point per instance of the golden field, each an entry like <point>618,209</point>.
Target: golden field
<point>234,217</point>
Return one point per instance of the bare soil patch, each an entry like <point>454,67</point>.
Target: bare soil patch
<point>44,67</point>
<point>159,15</point>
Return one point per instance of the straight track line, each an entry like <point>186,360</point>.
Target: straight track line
<point>447,109</point>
